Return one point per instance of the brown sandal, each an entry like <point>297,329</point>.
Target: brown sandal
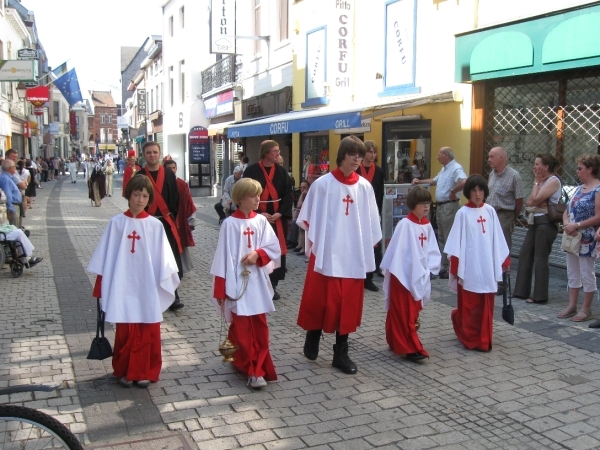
<point>582,316</point>
<point>565,314</point>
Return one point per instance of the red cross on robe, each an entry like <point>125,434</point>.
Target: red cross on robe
<point>481,220</point>
<point>134,237</point>
<point>248,233</point>
<point>347,200</point>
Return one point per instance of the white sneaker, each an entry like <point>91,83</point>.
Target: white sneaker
<point>256,382</point>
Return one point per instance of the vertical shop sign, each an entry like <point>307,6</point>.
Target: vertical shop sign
<point>315,63</point>
<point>222,27</point>
<point>141,97</point>
<point>341,38</point>
<point>400,17</point>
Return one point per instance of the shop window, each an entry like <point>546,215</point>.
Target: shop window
<point>406,152</point>
<point>315,156</point>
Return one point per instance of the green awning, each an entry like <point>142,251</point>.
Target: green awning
<point>139,139</point>
<point>561,40</point>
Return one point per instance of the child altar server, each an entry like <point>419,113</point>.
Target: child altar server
<point>247,241</point>
<point>411,256</point>
<point>136,280</point>
<point>478,255</point>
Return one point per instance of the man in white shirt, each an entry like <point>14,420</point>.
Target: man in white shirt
<point>450,182</point>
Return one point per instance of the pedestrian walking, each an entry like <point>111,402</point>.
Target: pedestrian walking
<point>131,169</point>
<point>341,221</point>
<point>97,185</point>
<point>410,258</point>
<point>109,170</point>
<point>478,256</point>
<point>144,255</point>
<point>247,242</point>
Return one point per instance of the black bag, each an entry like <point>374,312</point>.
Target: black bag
<point>100,348</point>
<point>508,313</point>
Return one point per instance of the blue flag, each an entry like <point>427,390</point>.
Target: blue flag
<point>68,85</point>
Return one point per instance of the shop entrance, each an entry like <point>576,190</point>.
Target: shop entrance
<point>407,150</point>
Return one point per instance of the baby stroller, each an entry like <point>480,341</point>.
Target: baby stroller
<point>9,253</point>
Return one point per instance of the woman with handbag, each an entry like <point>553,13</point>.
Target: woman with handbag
<point>541,232</point>
<point>583,217</point>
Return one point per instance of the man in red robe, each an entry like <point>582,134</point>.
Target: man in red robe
<point>166,203</point>
<point>276,200</point>
<point>131,169</point>
<point>187,211</point>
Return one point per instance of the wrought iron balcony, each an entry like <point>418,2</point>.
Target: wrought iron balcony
<point>225,71</point>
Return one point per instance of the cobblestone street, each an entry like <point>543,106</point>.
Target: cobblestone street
<point>537,389</point>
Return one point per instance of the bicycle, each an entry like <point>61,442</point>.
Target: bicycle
<point>23,428</point>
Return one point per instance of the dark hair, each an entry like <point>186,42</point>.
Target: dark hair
<point>139,183</point>
<point>10,151</point>
<point>590,160</point>
<point>350,145</point>
<point>149,144</point>
<point>169,162</point>
<point>266,146</point>
<point>548,160</point>
<point>417,195</point>
<point>245,160</point>
<point>20,165</point>
<point>474,181</point>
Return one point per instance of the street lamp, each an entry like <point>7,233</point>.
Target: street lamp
<point>22,91</point>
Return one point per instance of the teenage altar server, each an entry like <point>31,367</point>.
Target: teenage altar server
<point>478,255</point>
<point>411,256</point>
<point>341,220</point>
<point>247,241</point>
<point>136,281</point>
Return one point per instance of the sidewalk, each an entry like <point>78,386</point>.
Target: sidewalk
<point>535,390</point>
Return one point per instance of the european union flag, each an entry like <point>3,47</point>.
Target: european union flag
<point>68,85</point>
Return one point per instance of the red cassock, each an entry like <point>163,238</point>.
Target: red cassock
<point>137,355</point>
<point>330,303</point>
<point>400,330</point>
<point>127,176</point>
<point>186,209</point>
<point>474,316</point>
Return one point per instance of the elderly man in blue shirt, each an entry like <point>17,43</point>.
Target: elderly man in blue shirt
<point>13,196</point>
<point>450,182</point>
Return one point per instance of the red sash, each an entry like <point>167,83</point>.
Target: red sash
<point>368,175</point>
<point>159,204</point>
<point>270,191</point>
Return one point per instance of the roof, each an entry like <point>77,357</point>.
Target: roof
<point>127,55</point>
<point>102,98</point>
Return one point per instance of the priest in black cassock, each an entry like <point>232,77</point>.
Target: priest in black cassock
<point>374,175</point>
<point>165,205</point>
<point>276,201</point>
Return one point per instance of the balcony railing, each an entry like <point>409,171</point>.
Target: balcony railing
<point>225,71</point>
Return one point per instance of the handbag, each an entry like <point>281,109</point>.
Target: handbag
<point>571,244</point>
<point>508,313</point>
<point>556,210</point>
<point>100,348</point>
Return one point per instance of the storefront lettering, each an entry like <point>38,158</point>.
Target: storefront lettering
<point>399,42</point>
<point>223,29</point>
<point>343,32</point>
<point>234,134</point>
<point>342,123</point>
<point>279,128</point>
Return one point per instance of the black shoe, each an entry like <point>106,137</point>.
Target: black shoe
<point>444,275</point>
<point>594,324</point>
<point>33,261</point>
<point>369,285</point>
<point>276,295</point>
<point>380,273</point>
<point>176,305</point>
<point>501,290</point>
<point>341,360</point>
<point>299,250</point>
<point>311,344</point>
<point>291,246</point>
<point>415,356</point>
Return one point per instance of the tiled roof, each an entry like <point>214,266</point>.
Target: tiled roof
<point>102,98</point>
<point>127,55</point>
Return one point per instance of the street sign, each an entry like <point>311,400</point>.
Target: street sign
<point>27,53</point>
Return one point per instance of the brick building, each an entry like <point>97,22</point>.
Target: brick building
<point>105,133</point>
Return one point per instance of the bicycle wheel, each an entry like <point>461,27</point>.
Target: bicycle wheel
<point>24,428</point>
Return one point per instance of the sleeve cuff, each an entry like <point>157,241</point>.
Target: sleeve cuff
<point>263,258</point>
<point>219,288</point>
<point>506,264</point>
<point>98,287</point>
<point>454,265</point>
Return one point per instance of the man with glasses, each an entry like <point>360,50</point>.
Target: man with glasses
<point>276,200</point>
<point>450,182</point>
<point>341,221</point>
<point>374,175</point>
<point>506,196</point>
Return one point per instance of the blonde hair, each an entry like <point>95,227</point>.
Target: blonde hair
<point>246,187</point>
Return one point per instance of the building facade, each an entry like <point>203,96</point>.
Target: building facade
<point>105,132</point>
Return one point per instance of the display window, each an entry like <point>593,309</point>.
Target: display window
<point>314,155</point>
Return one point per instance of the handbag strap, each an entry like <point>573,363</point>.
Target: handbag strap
<point>507,297</point>
<point>99,319</point>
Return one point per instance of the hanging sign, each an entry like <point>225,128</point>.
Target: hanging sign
<point>222,27</point>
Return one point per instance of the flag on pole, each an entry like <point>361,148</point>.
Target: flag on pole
<point>60,70</point>
<point>68,85</point>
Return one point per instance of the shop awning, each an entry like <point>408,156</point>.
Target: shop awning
<point>139,138</point>
<point>218,128</point>
<point>298,122</point>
